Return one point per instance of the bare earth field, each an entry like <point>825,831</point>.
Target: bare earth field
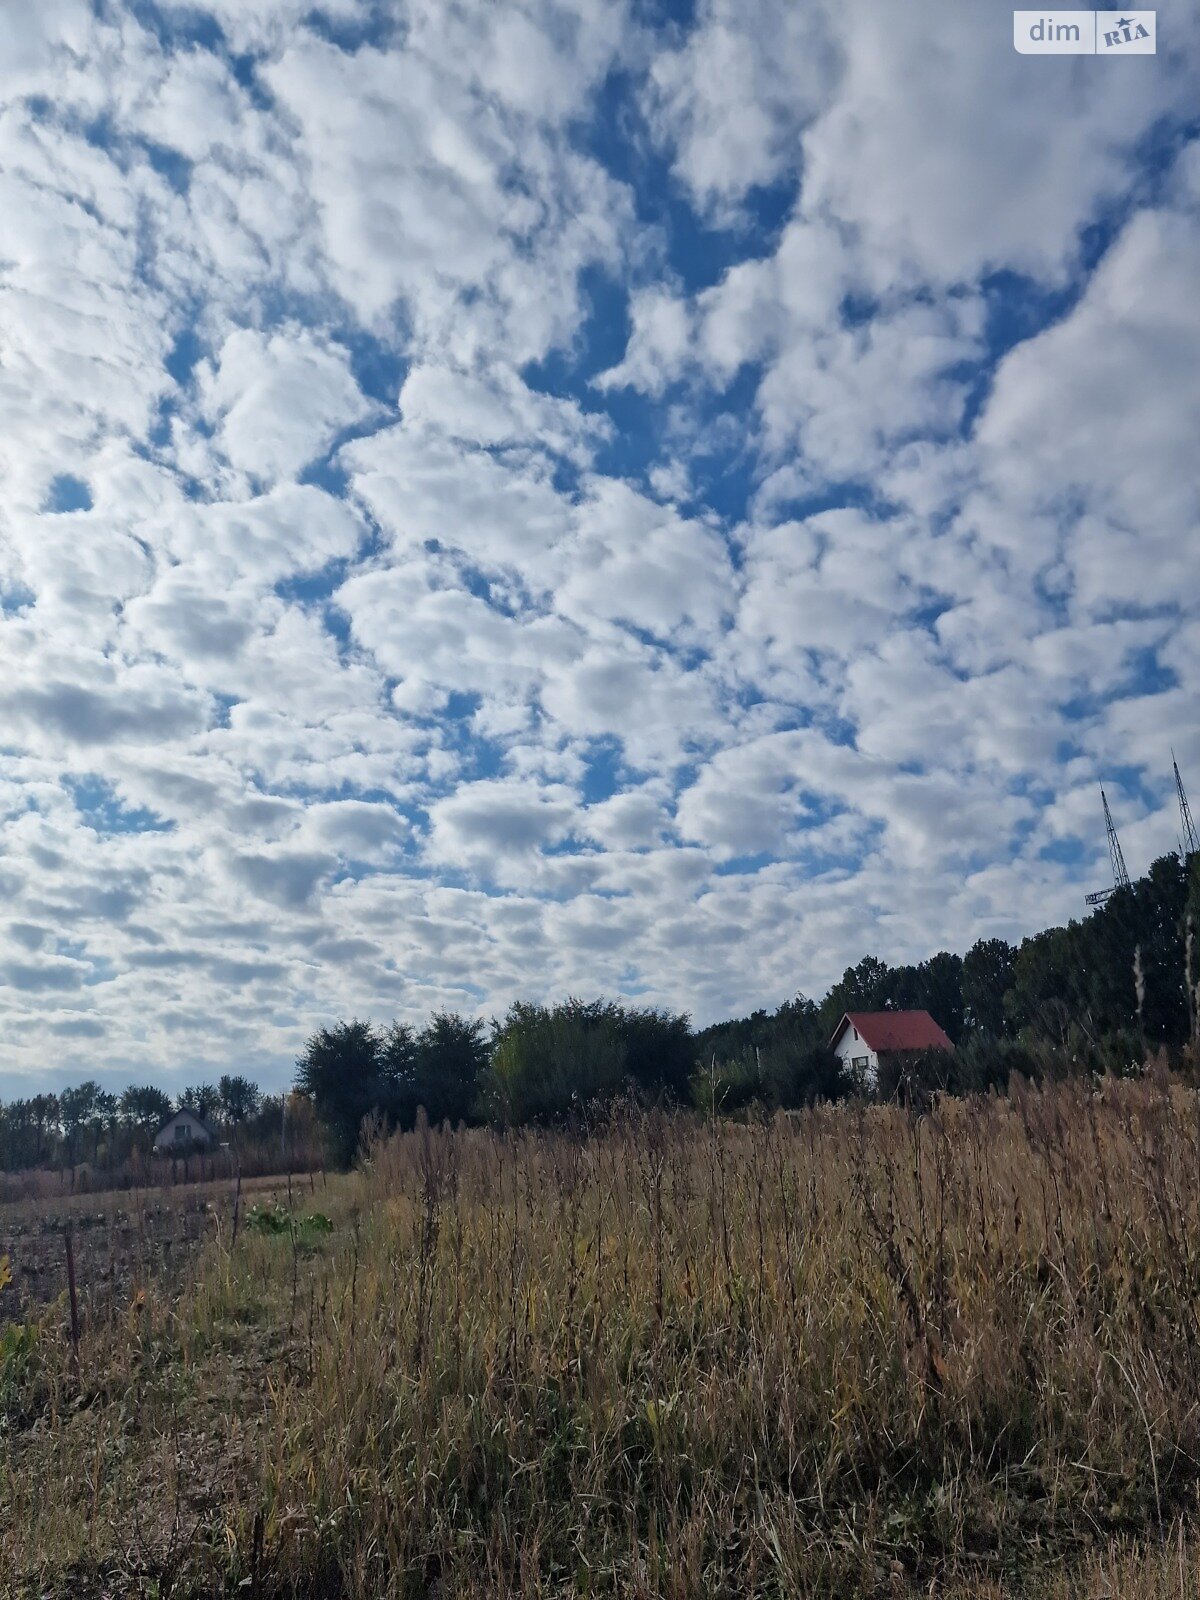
<point>844,1354</point>
<point>123,1239</point>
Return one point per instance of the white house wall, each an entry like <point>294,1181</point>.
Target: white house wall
<point>849,1049</point>
<point>166,1141</point>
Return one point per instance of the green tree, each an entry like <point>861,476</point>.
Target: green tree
<point>986,1061</point>
<point>449,1056</point>
<point>17,1129</point>
<point>660,1048</point>
<point>915,1076</point>
<point>868,986</point>
<point>1161,909</point>
<point>729,1041</point>
<point>1102,951</point>
<point>987,976</point>
<point>145,1107</point>
<point>43,1110</point>
<point>720,1088</point>
<point>1042,981</point>
<point>201,1099</point>
<point>1191,935</point>
<point>939,991</point>
<point>76,1107</point>
<point>105,1115</point>
<point>238,1097</point>
<point>550,1062</point>
<point>398,1073</point>
<point>796,1062</point>
<point>934,985</point>
<point>779,1058</point>
<point>339,1070</point>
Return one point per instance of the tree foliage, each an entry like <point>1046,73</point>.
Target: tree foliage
<point>202,1100</point>
<point>987,975</point>
<point>551,1062</point>
<point>779,1058</point>
<point>548,1062</point>
<point>340,1070</point>
<point>449,1057</point>
<point>1096,995</point>
<point>238,1098</point>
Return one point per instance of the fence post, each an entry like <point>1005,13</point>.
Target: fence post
<point>68,1236</point>
<point>237,1201</point>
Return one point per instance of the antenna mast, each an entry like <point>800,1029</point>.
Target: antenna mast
<point>1120,875</point>
<point>1190,842</point>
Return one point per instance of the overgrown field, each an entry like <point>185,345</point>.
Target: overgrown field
<point>846,1353</point>
<point>122,1241</point>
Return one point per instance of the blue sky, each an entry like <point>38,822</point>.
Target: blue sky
<point>517,499</point>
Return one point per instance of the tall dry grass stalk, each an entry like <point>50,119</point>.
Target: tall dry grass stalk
<point>815,1355</point>
<point>849,1352</point>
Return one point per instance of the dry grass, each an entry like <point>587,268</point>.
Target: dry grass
<point>846,1353</point>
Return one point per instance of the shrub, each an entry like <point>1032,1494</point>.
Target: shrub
<point>548,1062</point>
<point>723,1087</point>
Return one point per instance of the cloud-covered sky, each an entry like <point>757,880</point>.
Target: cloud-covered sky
<point>515,497</point>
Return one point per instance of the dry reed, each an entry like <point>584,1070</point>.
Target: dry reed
<point>848,1352</point>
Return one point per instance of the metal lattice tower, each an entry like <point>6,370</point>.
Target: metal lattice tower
<point>1120,876</point>
<point>1116,856</point>
<point>1190,842</point>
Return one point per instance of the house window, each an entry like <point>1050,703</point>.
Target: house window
<point>860,1063</point>
<point>182,1131</point>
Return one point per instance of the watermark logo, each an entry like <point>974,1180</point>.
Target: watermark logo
<point>1084,33</point>
<point>1055,33</point>
<point>1125,33</point>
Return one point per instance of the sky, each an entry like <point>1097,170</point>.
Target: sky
<point>512,498</point>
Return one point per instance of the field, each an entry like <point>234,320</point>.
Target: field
<point>122,1240</point>
<point>854,1352</point>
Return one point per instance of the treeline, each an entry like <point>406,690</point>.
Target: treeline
<point>538,1064</point>
<point>1102,994</point>
<point>88,1124</point>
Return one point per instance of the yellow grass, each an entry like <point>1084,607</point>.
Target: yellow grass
<point>850,1353</point>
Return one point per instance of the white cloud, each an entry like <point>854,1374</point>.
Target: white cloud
<point>1091,426</point>
<point>86,703</point>
<point>290,530</point>
<point>489,824</point>
<point>83,354</point>
<point>884,614</point>
<point>497,408</point>
<point>733,95</point>
<point>745,801</point>
<point>357,829</point>
<point>442,181</point>
<point>635,819</point>
<point>660,339</point>
<point>630,560</point>
<point>422,487</point>
<point>256,24</point>
<point>277,402</point>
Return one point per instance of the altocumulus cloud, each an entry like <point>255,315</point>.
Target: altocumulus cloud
<point>511,498</point>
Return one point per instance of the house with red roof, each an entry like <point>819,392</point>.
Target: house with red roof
<point>864,1038</point>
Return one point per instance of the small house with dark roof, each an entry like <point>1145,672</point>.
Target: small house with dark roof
<point>863,1038</point>
<point>184,1133</point>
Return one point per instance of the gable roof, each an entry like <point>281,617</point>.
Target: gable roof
<point>195,1117</point>
<point>894,1030</point>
